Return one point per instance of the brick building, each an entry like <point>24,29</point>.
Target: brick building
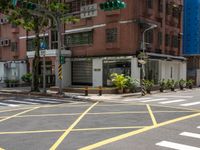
<point>106,42</point>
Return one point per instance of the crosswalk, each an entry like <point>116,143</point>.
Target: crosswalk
<point>184,101</point>
<point>14,102</point>
<point>180,146</point>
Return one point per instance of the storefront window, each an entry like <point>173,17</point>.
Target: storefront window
<point>152,71</point>
<point>113,66</point>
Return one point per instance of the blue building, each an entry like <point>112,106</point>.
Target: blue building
<point>191,38</point>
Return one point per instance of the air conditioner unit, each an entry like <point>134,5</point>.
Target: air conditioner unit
<point>6,42</point>
<point>1,43</point>
<point>3,20</point>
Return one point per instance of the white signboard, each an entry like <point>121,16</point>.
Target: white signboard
<point>88,11</point>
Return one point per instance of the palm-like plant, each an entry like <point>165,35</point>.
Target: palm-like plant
<point>119,80</point>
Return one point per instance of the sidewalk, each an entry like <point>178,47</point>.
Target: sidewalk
<point>77,96</point>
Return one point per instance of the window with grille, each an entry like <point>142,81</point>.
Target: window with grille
<point>14,47</point>
<point>175,41</point>
<point>169,9</point>
<point>159,38</point>
<point>149,4</point>
<point>160,5</point>
<point>111,35</point>
<point>54,39</point>
<point>79,38</point>
<point>167,40</point>
<point>149,36</point>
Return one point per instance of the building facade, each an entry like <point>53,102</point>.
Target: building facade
<point>191,38</point>
<point>102,43</point>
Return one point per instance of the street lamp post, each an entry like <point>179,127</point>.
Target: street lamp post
<point>143,91</point>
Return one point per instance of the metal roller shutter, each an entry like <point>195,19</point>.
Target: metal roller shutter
<point>82,72</point>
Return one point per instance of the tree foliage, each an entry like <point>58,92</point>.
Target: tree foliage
<point>31,21</point>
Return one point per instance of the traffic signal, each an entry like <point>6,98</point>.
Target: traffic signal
<point>112,5</point>
<point>26,5</point>
<point>62,59</point>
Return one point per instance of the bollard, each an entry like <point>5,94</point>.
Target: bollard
<point>86,91</point>
<point>100,90</point>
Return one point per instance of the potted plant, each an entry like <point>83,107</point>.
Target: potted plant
<point>148,84</point>
<point>171,84</point>
<point>189,83</point>
<point>182,84</point>
<point>7,81</point>
<point>128,84</point>
<point>119,80</point>
<point>27,78</point>
<point>163,85</point>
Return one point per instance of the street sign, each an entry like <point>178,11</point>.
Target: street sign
<point>88,11</point>
<point>43,45</point>
<point>14,2</point>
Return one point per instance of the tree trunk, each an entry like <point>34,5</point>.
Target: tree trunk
<point>36,60</point>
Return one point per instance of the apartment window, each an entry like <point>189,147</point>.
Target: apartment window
<point>167,40</point>
<point>169,9</point>
<point>111,35</point>
<point>159,38</point>
<point>14,47</point>
<point>176,12</point>
<point>149,4</point>
<point>160,5</point>
<point>86,2</point>
<point>54,39</point>
<point>149,37</point>
<point>79,38</point>
<point>175,41</point>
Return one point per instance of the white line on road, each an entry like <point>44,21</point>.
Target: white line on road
<point>176,146</point>
<point>175,96</point>
<point>51,99</point>
<point>155,100</point>
<point>198,127</point>
<point>189,134</point>
<point>173,101</point>
<point>191,104</point>
<point>10,105</point>
<point>138,99</point>
<point>21,102</point>
<point>43,101</point>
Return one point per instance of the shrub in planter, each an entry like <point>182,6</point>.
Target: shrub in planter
<point>7,82</point>
<point>148,84</point>
<point>189,83</point>
<point>119,81</point>
<point>14,83</point>
<point>182,84</point>
<point>131,84</point>
<point>163,85</point>
<point>27,78</point>
<point>171,84</point>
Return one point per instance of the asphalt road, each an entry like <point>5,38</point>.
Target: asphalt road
<point>66,125</point>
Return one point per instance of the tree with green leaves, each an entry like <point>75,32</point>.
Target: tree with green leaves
<point>30,20</point>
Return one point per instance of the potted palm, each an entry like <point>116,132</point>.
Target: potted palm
<point>163,85</point>
<point>119,81</point>
<point>148,84</point>
<point>189,83</point>
<point>182,84</point>
<point>171,84</point>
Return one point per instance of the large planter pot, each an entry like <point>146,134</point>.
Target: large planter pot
<point>172,89</point>
<point>148,91</point>
<point>190,87</point>
<point>161,90</point>
<point>120,91</point>
<point>126,90</point>
<point>181,87</point>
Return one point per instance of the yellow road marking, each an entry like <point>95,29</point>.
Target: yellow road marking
<point>126,135</point>
<point>151,115</point>
<point>1,148</point>
<point>103,113</point>
<point>58,142</point>
<point>8,110</point>
<point>73,130</point>
<point>10,117</point>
